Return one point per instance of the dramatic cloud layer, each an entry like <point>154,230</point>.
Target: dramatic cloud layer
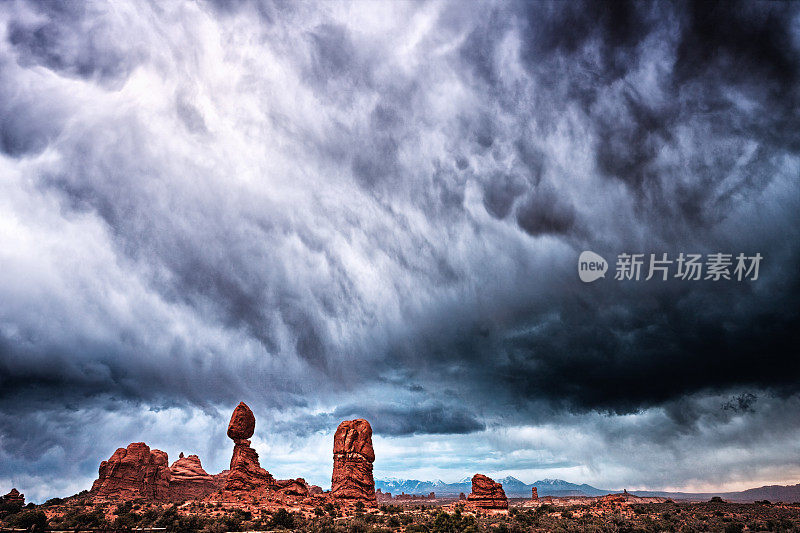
<point>375,209</point>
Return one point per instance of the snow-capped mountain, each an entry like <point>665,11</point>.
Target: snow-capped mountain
<point>513,487</point>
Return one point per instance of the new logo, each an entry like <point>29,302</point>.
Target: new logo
<point>591,266</point>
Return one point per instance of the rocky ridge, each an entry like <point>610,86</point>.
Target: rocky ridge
<point>140,473</point>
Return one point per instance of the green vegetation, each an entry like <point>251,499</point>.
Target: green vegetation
<point>28,519</point>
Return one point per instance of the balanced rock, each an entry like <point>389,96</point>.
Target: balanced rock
<point>242,424</point>
<point>189,481</point>
<point>353,456</point>
<point>14,498</point>
<point>246,473</point>
<point>133,472</point>
<point>486,493</point>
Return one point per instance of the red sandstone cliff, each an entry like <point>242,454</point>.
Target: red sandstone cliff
<point>133,472</point>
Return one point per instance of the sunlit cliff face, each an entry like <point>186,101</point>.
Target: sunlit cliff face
<point>374,210</point>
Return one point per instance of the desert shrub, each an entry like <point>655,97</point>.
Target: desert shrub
<point>282,518</point>
<point>75,519</point>
<point>127,520</point>
<point>187,524</point>
<point>30,520</point>
<point>452,523</point>
<point>232,522</point>
<point>358,525</point>
<point>500,528</point>
<point>215,526</point>
<point>9,508</point>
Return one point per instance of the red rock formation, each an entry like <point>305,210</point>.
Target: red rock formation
<point>614,498</point>
<point>462,496</point>
<point>189,481</point>
<point>292,487</point>
<point>14,497</point>
<point>534,494</point>
<point>403,497</point>
<point>242,424</point>
<point>353,456</point>
<point>486,493</point>
<point>315,490</point>
<point>133,472</point>
<point>246,473</point>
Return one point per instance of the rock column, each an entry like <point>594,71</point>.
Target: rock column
<point>353,456</point>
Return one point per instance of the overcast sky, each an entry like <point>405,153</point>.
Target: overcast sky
<point>375,209</point>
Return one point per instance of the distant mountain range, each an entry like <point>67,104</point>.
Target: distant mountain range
<point>515,488</point>
<point>773,493</point>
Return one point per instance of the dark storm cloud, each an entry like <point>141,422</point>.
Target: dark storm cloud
<point>741,403</point>
<point>390,420</point>
<point>399,420</point>
<point>64,39</point>
<point>545,213</point>
<point>377,212</point>
<point>592,356</point>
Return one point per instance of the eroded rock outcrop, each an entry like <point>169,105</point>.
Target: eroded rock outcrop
<point>486,494</point>
<point>189,481</point>
<point>534,494</point>
<point>133,472</point>
<point>245,473</point>
<point>353,456</point>
<point>292,487</point>
<point>13,498</point>
<point>137,472</point>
